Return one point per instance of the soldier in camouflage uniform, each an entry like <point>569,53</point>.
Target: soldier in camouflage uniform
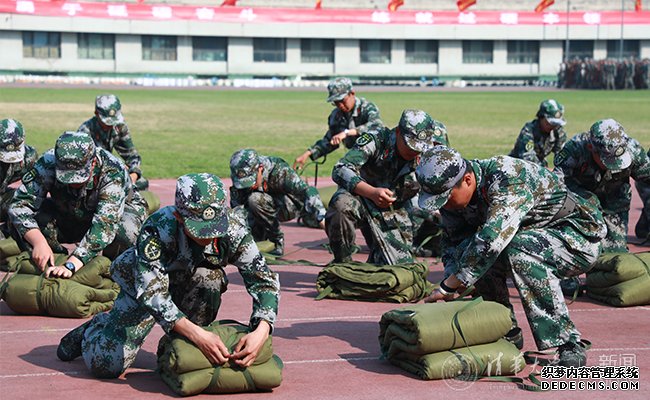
<point>600,162</point>
<point>268,192</point>
<point>543,135</point>
<point>376,180</point>
<point>91,201</point>
<point>16,158</point>
<point>109,131</point>
<point>503,215</point>
<point>642,228</point>
<point>175,276</point>
<point>352,117</point>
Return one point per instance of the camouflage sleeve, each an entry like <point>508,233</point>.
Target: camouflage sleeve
<point>370,113</point>
<point>297,188</point>
<point>323,146</point>
<point>566,164</point>
<point>525,146</point>
<point>126,149</point>
<point>262,284</point>
<point>640,164</point>
<point>509,204</point>
<point>346,172</point>
<point>561,140</point>
<point>112,198</point>
<point>237,197</point>
<point>151,279</point>
<point>29,196</point>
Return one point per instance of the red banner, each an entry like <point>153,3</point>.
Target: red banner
<point>238,15</point>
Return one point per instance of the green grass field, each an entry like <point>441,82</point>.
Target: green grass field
<point>181,131</point>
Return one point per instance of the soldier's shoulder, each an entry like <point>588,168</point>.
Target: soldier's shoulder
<point>161,221</point>
<point>237,228</point>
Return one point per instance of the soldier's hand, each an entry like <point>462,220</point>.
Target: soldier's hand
<point>437,295</point>
<point>42,255</point>
<point>213,348</point>
<point>383,197</point>
<point>58,271</point>
<point>250,345</point>
<point>338,138</point>
<point>134,177</point>
<point>300,161</point>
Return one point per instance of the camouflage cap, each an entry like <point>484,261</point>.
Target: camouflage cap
<point>419,130</point>
<point>201,201</point>
<point>552,111</point>
<point>338,88</point>
<point>608,138</point>
<point>74,153</point>
<point>109,109</point>
<point>439,170</point>
<point>243,168</point>
<point>12,141</point>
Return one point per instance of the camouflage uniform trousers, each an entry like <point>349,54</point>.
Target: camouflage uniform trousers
<point>389,235</point>
<point>536,261</point>
<point>616,239</point>
<point>5,199</point>
<point>642,228</point>
<point>59,230</point>
<point>265,212</point>
<point>112,339</point>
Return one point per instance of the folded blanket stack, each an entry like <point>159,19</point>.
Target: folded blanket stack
<point>620,279</point>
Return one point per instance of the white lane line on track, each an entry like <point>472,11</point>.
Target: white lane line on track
<point>41,374</point>
<point>331,360</point>
<point>36,330</point>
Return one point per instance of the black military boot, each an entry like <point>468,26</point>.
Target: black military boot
<point>70,345</point>
<point>516,337</point>
<point>572,354</point>
<point>279,247</point>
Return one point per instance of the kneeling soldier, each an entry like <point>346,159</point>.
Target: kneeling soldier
<point>271,192</point>
<point>92,201</point>
<point>174,276</point>
<point>503,215</point>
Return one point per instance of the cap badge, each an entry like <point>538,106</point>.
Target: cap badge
<point>10,147</point>
<point>209,213</point>
<point>558,114</point>
<point>619,151</point>
<point>111,112</point>
<point>422,135</point>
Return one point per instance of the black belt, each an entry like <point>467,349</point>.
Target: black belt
<point>567,208</point>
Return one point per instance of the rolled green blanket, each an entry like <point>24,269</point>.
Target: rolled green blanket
<point>368,282</point>
<point>492,359</point>
<point>8,248</point>
<point>185,369</point>
<point>620,279</point>
<point>152,199</point>
<point>37,295</point>
<point>635,292</point>
<point>429,328</point>
<point>265,246</point>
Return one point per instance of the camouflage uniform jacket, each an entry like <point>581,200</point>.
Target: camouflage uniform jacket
<point>511,195</point>
<point>163,248</point>
<point>612,188</point>
<point>533,145</point>
<point>10,173</point>
<point>101,202</point>
<point>118,138</point>
<point>374,160</point>
<point>364,118</point>
<point>280,179</point>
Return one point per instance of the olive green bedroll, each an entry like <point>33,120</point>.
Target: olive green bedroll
<point>88,292</point>
<point>492,359</point>
<point>8,248</point>
<point>430,328</point>
<point>184,368</point>
<point>368,282</point>
<point>620,279</point>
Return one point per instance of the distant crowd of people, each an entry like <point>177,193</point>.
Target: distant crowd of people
<point>609,74</point>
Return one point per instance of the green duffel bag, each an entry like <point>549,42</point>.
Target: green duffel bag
<point>368,282</point>
<point>8,248</point>
<point>635,292</point>
<point>37,295</point>
<point>429,328</point>
<point>500,358</point>
<point>613,268</point>
<point>152,199</point>
<point>184,368</point>
<point>265,246</point>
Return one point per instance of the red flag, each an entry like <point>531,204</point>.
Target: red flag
<point>229,3</point>
<point>543,5</point>
<point>395,4</point>
<point>465,4</point>
<point>638,6</point>
<point>318,4</point>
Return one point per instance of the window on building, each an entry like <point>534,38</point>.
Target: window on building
<point>209,48</point>
<point>477,51</point>
<point>579,49</point>
<point>375,51</point>
<point>523,52</point>
<point>421,51</point>
<point>42,44</point>
<point>630,48</point>
<point>317,50</point>
<point>96,46</point>
<point>269,50</point>
<point>159,48</point>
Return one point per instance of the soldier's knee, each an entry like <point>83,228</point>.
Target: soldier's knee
<point>255,200</point>
<point>106,371</point>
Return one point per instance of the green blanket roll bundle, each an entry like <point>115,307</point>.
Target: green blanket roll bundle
<point>152,199</point>
<point>8,248</point>
<point>89,291</point>
<point>184,368</point>
<point>368,282</point>
<point>430,328</point>
<point>491,359</point>
<point>620,279</point>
